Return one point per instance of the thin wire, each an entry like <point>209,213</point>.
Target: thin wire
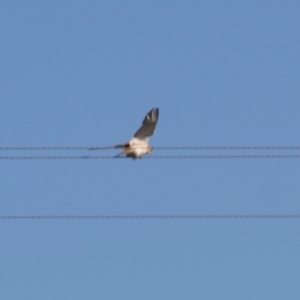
<point>213,148</point>
<point>126,217</point>
<point>157,148</point>
<point>270,156</point>
<point>51,148</point>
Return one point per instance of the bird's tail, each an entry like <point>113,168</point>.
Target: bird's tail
<point>126,145</point>
<point>110,147</point>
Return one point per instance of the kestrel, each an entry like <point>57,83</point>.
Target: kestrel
<point>139,144</point>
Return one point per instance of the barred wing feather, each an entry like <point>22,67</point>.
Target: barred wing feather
<point>148,127</point>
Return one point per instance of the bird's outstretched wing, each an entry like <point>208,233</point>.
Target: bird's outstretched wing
<point>148,127</point>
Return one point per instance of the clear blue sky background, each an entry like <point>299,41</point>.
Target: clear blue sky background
<point>84,73</point>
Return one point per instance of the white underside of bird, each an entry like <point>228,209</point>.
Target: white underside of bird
<point>137,148</point>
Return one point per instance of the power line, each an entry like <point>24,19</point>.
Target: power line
<point>139,217</point>
<point>75,148</point>
<point>46,148</point>
<point>213,148</point>
<point>97,157</point>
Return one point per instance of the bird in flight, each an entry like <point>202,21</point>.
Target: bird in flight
<point>139,143</point>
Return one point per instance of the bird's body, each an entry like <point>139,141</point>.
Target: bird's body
<point>135,149</point>
<point>139,146</point>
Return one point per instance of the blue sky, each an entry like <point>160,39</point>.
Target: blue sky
<point>84,73</point>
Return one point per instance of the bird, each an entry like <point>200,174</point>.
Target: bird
<point>139,146</point>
